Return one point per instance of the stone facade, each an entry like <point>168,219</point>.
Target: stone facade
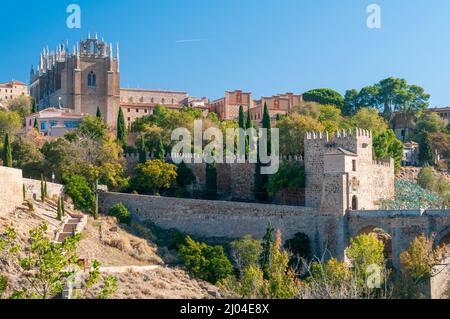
<point>11,194</point>
<point>83,80</point>
<point>341,174</point>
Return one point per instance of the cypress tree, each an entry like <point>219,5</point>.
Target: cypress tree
<point>241,120</point>
<point>42,188</point>
<point>7,152</point>
<point>268,240</point>
<point>266,123</point>
<point>278,117</point>
<point>45,188</point>
<point>211,181</point>
<point>425,149</point>
<point>63,209</point>
<point>160,151</point>
<point>35,125</point>
<point>24,192</point>
<point>261,180</point>
<point>58,211</point>
<point>121,129</point>
<point>98,114</point>
<point>142,151</point>
<point>248,125</point>
<point>33,106</point>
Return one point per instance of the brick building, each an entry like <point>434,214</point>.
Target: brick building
<point>277,104</point>
<point>227,108</point>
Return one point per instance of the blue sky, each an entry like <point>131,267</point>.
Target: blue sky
<point>265,46</point>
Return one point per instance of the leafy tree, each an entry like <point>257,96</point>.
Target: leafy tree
<point>246,253</point>
<point>387,145</point>
<point>291,128</point>
<point>369,119</point>
<point>122,213</point>
<point>121,129</point>
<point>282,283</point>
<point>205,262</point>
<point>46,267</point>
<point>10,122</point>
<point>268,241</point>
<point>419,260</point>
<point>27,155</point>
<point>325,97</point>
<point>152,176</point>
<point>426,178</point>
<point>78,189</point>
<point>351,103</point>
<point>330,117</point>
<point>393,94</point>
<point>6,152</point>
<point>93,128</point>
<point>290,175</point>
<point>22,105</point>
<point>365,250</point>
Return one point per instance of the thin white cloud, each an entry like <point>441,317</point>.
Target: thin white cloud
<point>189,40</point>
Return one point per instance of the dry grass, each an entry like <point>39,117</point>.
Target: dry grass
<point>105,241</point>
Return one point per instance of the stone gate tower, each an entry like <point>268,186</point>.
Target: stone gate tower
<point>83,80</point>
<point>342,175</point>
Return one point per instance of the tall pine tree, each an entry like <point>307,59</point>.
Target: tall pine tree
<point>211,181</point>
<point>121,129</point>
<point>7,152</point>
<point>241,124</point>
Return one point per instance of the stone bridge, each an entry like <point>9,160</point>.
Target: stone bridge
<point>402,226</point>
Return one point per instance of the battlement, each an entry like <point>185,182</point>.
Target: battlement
<point>387,162</point>
<point>340,134</point>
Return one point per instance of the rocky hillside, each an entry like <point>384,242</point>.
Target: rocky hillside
<point>135,262</point>
<point>411,173</point>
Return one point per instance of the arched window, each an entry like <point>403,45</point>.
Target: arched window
<point>92,79</point>
<point>355,203</point>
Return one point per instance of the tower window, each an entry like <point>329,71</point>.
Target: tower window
<point>354,165</point>
<point>92,79</point>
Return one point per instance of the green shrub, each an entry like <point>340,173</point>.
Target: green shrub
<point>289,176</point>
<point>122,213</point>
<point>78,189</point>
<point>205,262</point>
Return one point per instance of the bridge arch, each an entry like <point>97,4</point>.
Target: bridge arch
<point>443,238</point>
<point>383,234</point>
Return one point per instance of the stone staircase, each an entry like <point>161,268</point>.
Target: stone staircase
<point>73,223</point>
